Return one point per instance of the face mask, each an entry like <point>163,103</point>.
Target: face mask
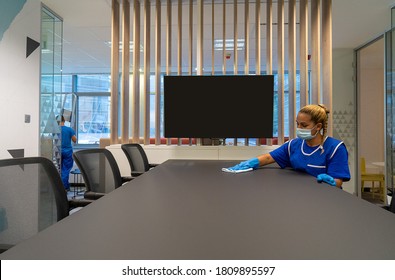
<point>305,133</point>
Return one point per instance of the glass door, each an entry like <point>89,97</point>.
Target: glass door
<point>371,121</point>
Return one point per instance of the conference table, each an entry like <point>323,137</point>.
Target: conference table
<point>191,210</point>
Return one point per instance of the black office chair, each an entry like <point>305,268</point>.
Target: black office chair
<point>137,158</point>
<point>100,172</point>
<point>32,197</point>
<point>391,207</point>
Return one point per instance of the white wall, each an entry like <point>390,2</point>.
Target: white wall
<point>20,83</point>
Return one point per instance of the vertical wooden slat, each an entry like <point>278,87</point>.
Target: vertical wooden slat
<point>315,52</point>
<point>303,56</point>
<point>246,45</point>
<point>190,40</point>
<point>291,66</point>
<point>269,37</point>
<point>147,69</point>
<point>157,70</point>
<point>258,44</point>
<point>269,45</point>
<point>115,21</point>
<point>190,44</point>
<point>327,60</point>
<point>168,43</point>
<point>179,49</point>
<point>179,31</point>
<point>224,37</point>
<point>136,72</point>
<point>258,37</point>
<point>168,37</point>
<point>224,51</point>
<point>125,69</point>
<point>280,67</point>
<point>199,47</point>
<point>212,38</point>
<point>235,37</point>
<point>246,37</point>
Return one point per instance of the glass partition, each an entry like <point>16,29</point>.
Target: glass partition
<point>51,84</point>
<point>389,107</point>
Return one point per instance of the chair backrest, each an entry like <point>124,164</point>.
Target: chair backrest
<point>32,197</point>
<point>136,156</point>
<point>99,170</point>
<point>392,204</point>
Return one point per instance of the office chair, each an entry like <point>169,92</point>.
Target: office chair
<point>137,158</point>
<point>373,178</point>
<point>100,172</point>
<point>32,197</point>
<point>391,207</point>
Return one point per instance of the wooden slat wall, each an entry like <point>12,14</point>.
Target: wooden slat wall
<point>320,49</point>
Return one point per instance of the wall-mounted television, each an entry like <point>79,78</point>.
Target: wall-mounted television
<point>217,107</point>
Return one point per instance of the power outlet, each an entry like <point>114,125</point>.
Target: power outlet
<point>27,118</point>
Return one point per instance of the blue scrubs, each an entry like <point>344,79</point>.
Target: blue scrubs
<point>67,155</point>
<point>332,159</point>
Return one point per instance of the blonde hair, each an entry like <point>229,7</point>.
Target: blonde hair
<point>318,114</point>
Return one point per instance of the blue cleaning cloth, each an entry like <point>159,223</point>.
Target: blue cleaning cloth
<point>244,166</point>
<point>327,179</point>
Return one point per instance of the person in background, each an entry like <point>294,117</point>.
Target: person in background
<point>312,151</point>
<point>68,135</point>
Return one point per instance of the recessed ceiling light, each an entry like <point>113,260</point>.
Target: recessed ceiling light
<point>229,44</point>
<point>131,44</point>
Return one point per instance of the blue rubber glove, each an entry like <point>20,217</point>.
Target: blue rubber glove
<point>251,163</point>
<point>327,179</point>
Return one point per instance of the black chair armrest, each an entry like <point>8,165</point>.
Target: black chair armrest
<point>5,247</point>
<point>93,195</point>
<point>126,179</point>
<point>74,203</point>
<point>136,173</point>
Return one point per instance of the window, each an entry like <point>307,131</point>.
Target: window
<point>93,119</point>
<point>88,98</point>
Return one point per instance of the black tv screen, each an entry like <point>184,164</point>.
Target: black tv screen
<point>217,107</point>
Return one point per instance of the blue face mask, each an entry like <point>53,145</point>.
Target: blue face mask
<point>305,133</point>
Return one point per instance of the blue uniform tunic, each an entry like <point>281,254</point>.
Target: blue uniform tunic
<point>331,158</point>
<point>67,155</point>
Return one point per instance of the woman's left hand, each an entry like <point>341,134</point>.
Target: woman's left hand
<point>327,179</point>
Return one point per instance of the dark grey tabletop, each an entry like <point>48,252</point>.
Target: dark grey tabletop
<point>190,209</point>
